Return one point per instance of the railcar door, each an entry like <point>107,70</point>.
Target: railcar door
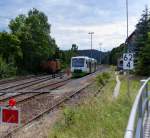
<point>90,66</point>
<point>95,66</point>
<point>87,66</point>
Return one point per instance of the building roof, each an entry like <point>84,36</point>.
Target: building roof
<point>130,36</point>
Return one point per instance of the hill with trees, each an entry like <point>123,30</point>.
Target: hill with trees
<point>98,55</point>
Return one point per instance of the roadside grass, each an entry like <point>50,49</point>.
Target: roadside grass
<point>100,116</point>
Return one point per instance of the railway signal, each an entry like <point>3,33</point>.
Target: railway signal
<point>12,102</point>
<point>10,115</point>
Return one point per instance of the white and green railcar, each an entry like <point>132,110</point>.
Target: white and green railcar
<point>82,65</point>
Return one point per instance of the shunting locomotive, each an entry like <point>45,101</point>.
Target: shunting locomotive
<point>51,66</point>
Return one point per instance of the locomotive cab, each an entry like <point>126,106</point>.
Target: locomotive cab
<point>51,66</point>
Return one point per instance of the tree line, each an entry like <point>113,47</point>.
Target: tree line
<point>27,43</point>
<point>141,46</point>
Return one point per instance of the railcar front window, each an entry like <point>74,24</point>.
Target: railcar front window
<point>79,62</point>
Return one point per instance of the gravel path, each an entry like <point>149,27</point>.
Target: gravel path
<point>117,87</point>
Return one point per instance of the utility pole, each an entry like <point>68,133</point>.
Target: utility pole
<point>127,16</point>
<point>91,33</point>
<point>100,44</point>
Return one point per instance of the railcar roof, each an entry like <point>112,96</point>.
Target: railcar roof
<point>81,57</point>
<point>85,57</point>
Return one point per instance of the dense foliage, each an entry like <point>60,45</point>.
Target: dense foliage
<point>28,44</point>
<point>65,56</point>
<point>143,44</point>
<point>10,54</point>
<point>115,54</point>
<point>7,69</point>
<point>33,31</point>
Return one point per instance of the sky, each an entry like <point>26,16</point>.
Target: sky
<point>72,20</point>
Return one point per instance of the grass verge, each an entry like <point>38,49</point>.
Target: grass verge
<point>98,117</point>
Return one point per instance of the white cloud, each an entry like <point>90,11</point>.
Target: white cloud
<point>110,35</point>
<point>72,20</point>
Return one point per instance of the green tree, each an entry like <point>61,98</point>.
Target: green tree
<point>7,69</point>
<point>16,26</point>
<point>33,31</point>
<point>10,53</point>
<point>71,53</point>
<point>143,44</point>
<point>116,53</point>
<point>66,55</point>
<point>143,66</point>
<point>10,49</point>
<point>74,48</point>
<point>142,29</point>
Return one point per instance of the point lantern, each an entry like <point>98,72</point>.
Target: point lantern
<point>12,102</point>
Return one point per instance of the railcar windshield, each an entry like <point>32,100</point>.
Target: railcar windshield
<point>78,62</point>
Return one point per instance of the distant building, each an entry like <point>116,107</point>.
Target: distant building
<point>131,41</point>
<point>131,48</point>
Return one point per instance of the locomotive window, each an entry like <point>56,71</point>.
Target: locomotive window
<point>78,62</point>
<point>121,62</point>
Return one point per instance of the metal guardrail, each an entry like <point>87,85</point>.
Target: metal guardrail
<point>135,124</point>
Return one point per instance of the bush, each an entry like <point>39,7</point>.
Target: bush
<point>102,78</point>
<point>69,116</point>
<point>7,70</point>
<point>106,75</point>
<point>99,80</point>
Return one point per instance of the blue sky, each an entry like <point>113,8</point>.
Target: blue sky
<point>71,20</point>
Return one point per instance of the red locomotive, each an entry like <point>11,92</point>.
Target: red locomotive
<point>51,66</point>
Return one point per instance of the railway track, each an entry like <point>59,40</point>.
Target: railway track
<point>11,80</point>
<point>56,104</point>
<point>23,81</point>
<point>4,81</point>
<point>26,84</point>
<point>33,94</point>
<point>43,104</point>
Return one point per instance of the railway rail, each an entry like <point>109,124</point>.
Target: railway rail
<point>54,105</point>
<point>20,82</point>
<point>13,93</point>
<point>22,85</point>
<point>4,81</point>
<point>21,78</point>
<point>25,97</point>
<point>38,104</point>
<point>32,94</point>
